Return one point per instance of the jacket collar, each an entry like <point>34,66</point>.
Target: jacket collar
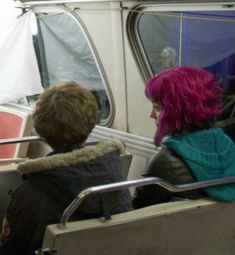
<point>71,158</point>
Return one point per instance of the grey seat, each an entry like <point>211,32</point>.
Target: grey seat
<point>195,227</point>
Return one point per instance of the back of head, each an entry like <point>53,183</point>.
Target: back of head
<point>168,57</point>
<point>190,100</point>
<point>65,114</point>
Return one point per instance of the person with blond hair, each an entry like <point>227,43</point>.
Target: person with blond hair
<point>64,117</point>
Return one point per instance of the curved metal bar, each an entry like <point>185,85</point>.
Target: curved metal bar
<point>135,183</point>
<point>20,140</point>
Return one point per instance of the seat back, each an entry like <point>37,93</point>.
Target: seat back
<point>126,163</point>
<point>195,227</point>
<point>14,124</point>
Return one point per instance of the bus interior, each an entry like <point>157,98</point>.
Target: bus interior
<point>113,47</point>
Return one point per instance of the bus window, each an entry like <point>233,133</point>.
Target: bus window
<point>64,53</point>
<point>203,39</point>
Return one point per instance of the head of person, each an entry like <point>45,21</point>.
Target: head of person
<point>65,115</point>
<point>168,57</point>
<point>184,99</point>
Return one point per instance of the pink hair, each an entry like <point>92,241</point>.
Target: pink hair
<point>190,100</point>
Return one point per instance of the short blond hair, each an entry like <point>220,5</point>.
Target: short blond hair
<point>65,114</point>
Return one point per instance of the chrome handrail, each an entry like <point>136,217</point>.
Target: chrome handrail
<point>17,140</point>
<point>135,183</point>
<point>20,140</point>
<point>24,139</point>
<point>12,160</point>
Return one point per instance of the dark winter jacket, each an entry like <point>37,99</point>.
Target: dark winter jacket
<point>167,165</point>
<point>51,183</point>
<point>196,156</point>
<point>210,154</point>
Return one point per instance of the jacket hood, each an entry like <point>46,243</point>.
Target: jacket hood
<point>210,148</point>
<point>71,158</point>
<point>210,154</point>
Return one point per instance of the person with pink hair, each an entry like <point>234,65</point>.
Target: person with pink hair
<point>186,102</point>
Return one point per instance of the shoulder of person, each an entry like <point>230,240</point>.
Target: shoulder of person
<point>166,162</point>
<point>164,155</point>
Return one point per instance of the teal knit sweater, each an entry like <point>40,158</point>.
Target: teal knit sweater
<point>210,154</point>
